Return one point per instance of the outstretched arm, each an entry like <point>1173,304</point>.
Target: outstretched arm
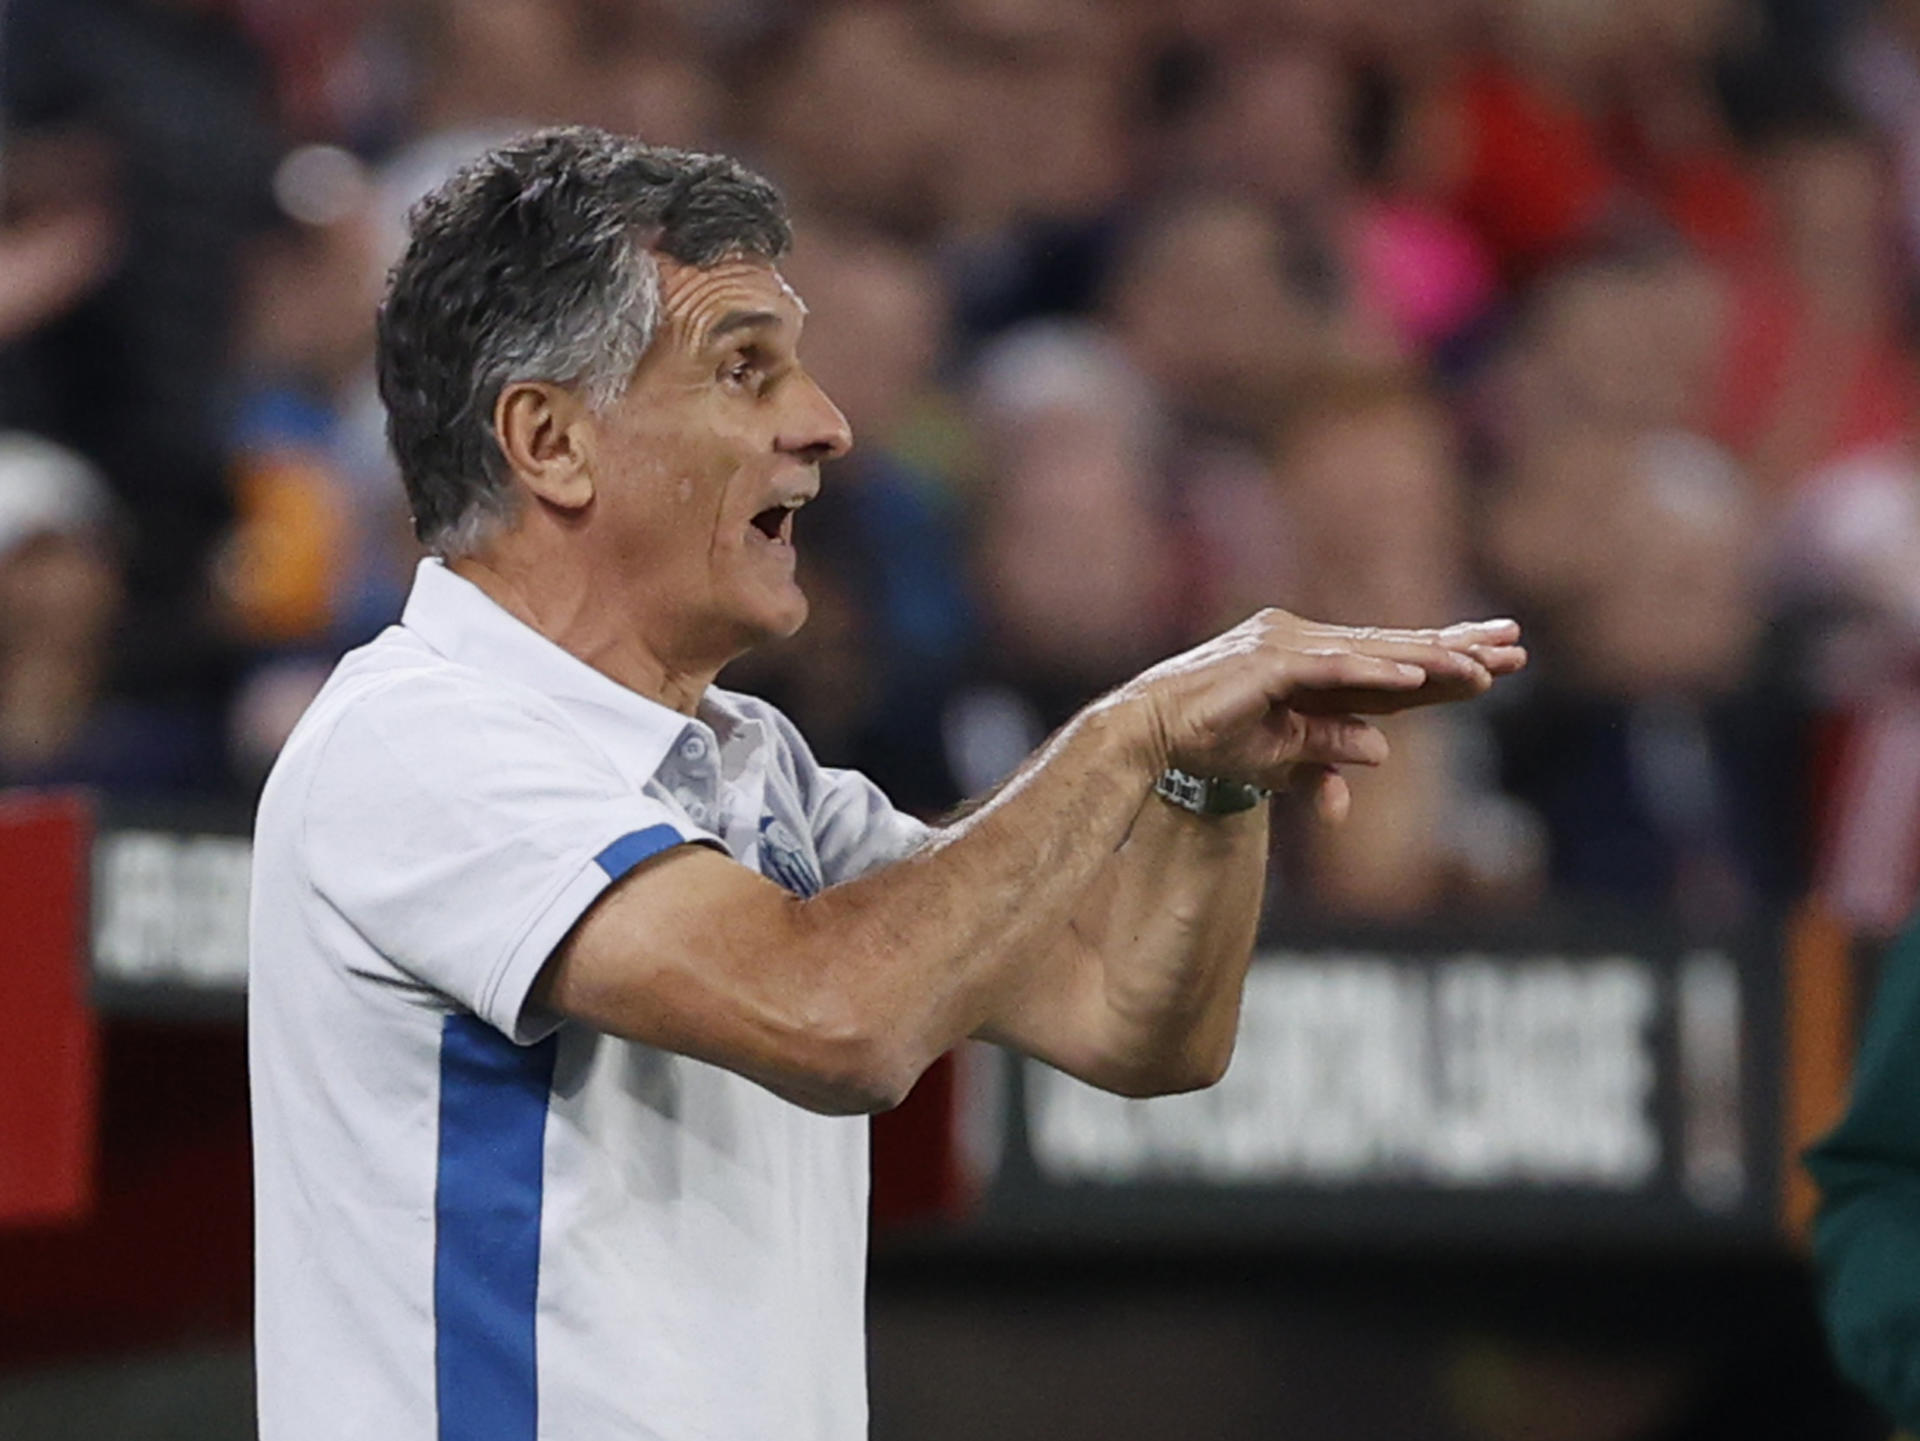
<point>840,1000</point>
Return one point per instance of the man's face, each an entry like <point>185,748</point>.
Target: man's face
<point>702,463</point>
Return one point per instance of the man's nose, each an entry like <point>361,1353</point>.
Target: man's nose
<point>815,430</point>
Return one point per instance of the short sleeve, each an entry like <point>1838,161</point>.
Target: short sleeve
<point>463,835</point>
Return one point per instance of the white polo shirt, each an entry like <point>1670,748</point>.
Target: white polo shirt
<point>477,1223</point>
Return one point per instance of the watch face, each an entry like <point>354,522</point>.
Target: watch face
<point>1206,797</point>
<point>1181,789</point>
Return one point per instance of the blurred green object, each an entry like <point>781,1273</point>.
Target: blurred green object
<point>1867,1235</point>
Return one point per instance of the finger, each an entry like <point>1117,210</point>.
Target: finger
<point>1338,740</point>
<point>1437,659</point>
<point>1461,673</point>
<point>1470,681</point>
<point>1323,787</point>
<point>1331,798</point>
<point>1502,631</point>
<point>1500,659</point>
<point>1311,670</point>
<point>1299,745</point>
<point>1466,633</point>
<point>1355,702</point>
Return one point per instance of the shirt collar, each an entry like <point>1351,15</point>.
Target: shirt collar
<point>463,623</point>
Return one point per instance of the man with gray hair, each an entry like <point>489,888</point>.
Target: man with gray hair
<point>574,976</point>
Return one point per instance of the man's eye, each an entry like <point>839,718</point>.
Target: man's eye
<point>742,371</point>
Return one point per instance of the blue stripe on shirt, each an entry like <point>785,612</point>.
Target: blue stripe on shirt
<point>631,849</point>
<point>486,1259</point>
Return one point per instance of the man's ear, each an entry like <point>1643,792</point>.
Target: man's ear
<point>538,425</point>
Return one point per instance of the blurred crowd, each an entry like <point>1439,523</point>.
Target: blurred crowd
<point>1145,313</point>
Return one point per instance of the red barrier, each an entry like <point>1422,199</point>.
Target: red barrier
<point>49,1042</point>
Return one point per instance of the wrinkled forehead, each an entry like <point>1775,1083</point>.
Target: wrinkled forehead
<point>704,304</point>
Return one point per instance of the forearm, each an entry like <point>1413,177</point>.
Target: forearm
<point>1186,893</point>
<point>1140,992</point>
<point>928,949</point>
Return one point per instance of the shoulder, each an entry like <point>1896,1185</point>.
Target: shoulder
<point>395,685</point>
<point>396,714</point>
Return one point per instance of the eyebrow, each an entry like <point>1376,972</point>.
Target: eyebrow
<point>742,320</point>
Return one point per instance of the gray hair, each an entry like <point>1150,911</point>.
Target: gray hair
<point>538,262</point>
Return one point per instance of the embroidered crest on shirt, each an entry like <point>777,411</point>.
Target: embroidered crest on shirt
<point>783,859</point>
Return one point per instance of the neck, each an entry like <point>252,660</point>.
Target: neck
<point>565,606</point>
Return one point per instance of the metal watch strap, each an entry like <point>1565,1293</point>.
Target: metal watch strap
<point>1205,796</point>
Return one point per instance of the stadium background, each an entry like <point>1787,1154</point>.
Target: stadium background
<point>1145,312</point>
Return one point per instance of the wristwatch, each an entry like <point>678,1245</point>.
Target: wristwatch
<point>1205,795</point>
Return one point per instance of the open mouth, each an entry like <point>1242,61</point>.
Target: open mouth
<point>776,523</point>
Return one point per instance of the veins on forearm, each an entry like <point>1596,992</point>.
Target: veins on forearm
<point>1190,891</point>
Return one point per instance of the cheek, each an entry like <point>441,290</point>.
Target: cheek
<point>741,491</point>
<point>655,482</point>
<point>689,488</point>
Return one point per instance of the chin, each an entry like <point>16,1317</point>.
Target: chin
<point>796,616</point>
<point>777,620</point>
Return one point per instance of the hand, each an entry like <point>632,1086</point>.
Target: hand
<point>1277,693</point>
<point>1490,645</point>
<point>49,264</point>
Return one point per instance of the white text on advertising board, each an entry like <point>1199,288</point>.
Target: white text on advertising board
<point>1356,1068</point>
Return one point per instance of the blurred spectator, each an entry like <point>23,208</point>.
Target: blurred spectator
<point>1201,302</point>
<point>316,552</point>
<point>320,553</point>
<point>1349,307</point>
<point>852,123</point>
<point>50,261</point>
<point>339,69</point>
<point>495,63</point>
<point>999,134</point>
<point>1851,547</point>
<point>1815,367</point>
<point>1579,123</point>
<point>1076,564</point>
<point>59,589</point>
<point>1661,760</point>
<point>1820,394</point>
<point>1370,253</point>
<point>1035,189</point>
<point>61,593</point>
<point>1376,517</point>
<point>1878,69</point>
<point>173,100</point>
<point>1277,127</point>
<point>671,99</point>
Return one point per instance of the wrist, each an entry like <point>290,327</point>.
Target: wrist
<point>1127,721</point>
<point>1207,796</point>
